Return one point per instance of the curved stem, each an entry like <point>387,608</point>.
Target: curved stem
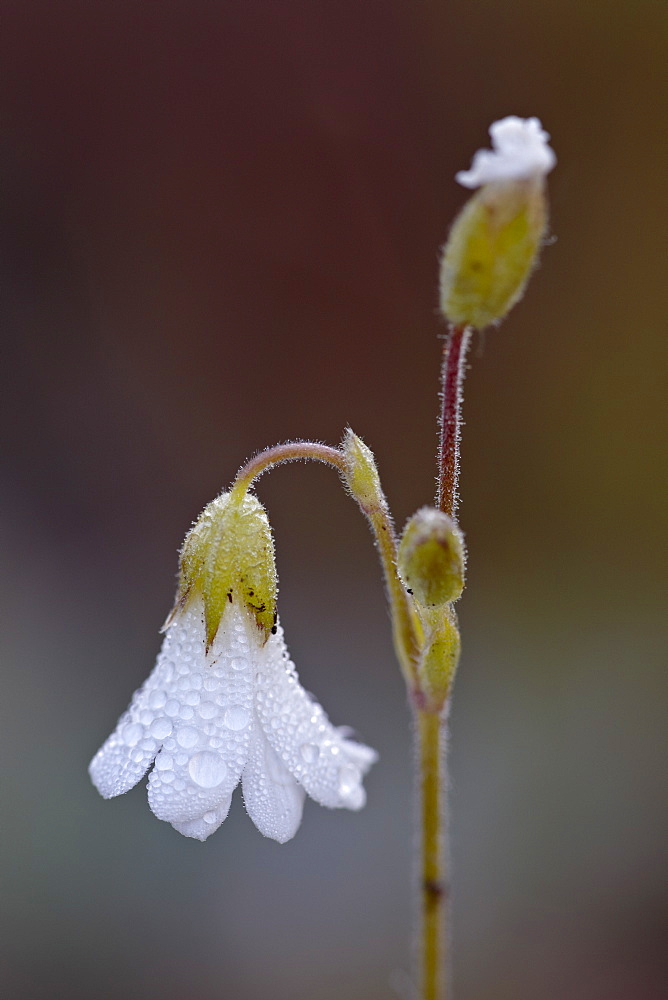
<point>291,451</point>
<point>452,383</point>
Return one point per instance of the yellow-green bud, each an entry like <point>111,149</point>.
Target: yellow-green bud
<point>431,558</point>
<point>361,473</point>
<point>228,556</point>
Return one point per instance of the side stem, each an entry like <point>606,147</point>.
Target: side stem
<point>452,382</point>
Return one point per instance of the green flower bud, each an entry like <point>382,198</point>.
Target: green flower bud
<point>431,558</point>
<point>228,557</point>
<point>361,474</point>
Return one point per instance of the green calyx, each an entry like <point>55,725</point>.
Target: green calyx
<point>228,557</point>
<point>491,251</point>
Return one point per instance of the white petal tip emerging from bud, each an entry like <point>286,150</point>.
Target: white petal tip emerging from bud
<point>520,149</point>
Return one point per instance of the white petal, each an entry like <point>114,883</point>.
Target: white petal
<point>520,150</point>
<point>152,715</point>
<point>273,798</point>
<point>200,829</point>
<point>329,766</point>
<point>201,762</point>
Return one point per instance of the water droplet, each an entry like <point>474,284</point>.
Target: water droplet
<point>163,762</point>
<point>132,733</point>
<point>172,707</point>
<point>207,769</point>
<point>209,817</point>
<point>137,755</point>
<point>181,758</point>
<point>210,683</point>
<point>146,718</point>
<point>349,780</point>
<point>187,737</point>
<point>192,698</point>
<point>207,710</point>
<point>310,752</point>
<point>236,718</point>
<point>186,712</point>
<point>238,663</point>
<point>148,745</point>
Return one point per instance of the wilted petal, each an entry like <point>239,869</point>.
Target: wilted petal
<point>274,800</point>
<point>329,766</point>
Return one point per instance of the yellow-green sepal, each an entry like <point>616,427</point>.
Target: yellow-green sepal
<point>491,251</point>
<point>439,658</point>
<point>228,557</point>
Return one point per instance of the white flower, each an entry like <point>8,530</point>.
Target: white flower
<point>207,721</point>
<point>520,150</point>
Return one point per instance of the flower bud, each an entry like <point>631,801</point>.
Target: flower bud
<point>494,242</point>
<point>361,474</point>
<point>431,558</point>
<point>228,557</point>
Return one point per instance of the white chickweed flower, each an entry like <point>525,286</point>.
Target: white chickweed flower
<point>520,150</point>
<point>213,713</point>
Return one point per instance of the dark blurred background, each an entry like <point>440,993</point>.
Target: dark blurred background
<point>220,229</point>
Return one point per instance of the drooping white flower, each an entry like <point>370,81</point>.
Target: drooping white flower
<point>520,149</point>
<point>208,720</point>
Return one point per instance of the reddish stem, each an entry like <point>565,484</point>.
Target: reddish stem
<point>452,381</point>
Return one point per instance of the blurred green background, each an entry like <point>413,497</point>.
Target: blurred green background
<point>220,229</point>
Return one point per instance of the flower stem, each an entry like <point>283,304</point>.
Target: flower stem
<point>433,888</point>
<point>291,451</point>
<point>452,382</point>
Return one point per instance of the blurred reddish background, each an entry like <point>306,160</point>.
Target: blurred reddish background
<point>220,229</point>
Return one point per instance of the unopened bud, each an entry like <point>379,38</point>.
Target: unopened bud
<point>494,242</point>
<point>361,474</point>
<point>431,558</point>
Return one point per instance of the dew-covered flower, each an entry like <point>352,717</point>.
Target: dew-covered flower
<point>520,150</point>
<point>213,713</point>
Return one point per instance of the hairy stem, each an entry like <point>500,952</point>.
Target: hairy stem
<point>452,382</point>
<point>291,451</point>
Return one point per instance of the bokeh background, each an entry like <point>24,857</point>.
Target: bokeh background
<point>220,229</point>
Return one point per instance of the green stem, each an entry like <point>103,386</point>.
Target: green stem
<point>433,888</point>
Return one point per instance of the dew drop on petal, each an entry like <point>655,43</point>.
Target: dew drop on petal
<point>132,733</point>
<point>209,817</point>
<point>207,769</point>
<point>172,707</point>
<point>187,737</point>
<point>207,710</point>
<point>236,718</point>
<point>238,663</point>
<point>349,781</point>
<point>161,728</point>
<point>163,762</point>
<point>309,752</point>
<point>157,699</point>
